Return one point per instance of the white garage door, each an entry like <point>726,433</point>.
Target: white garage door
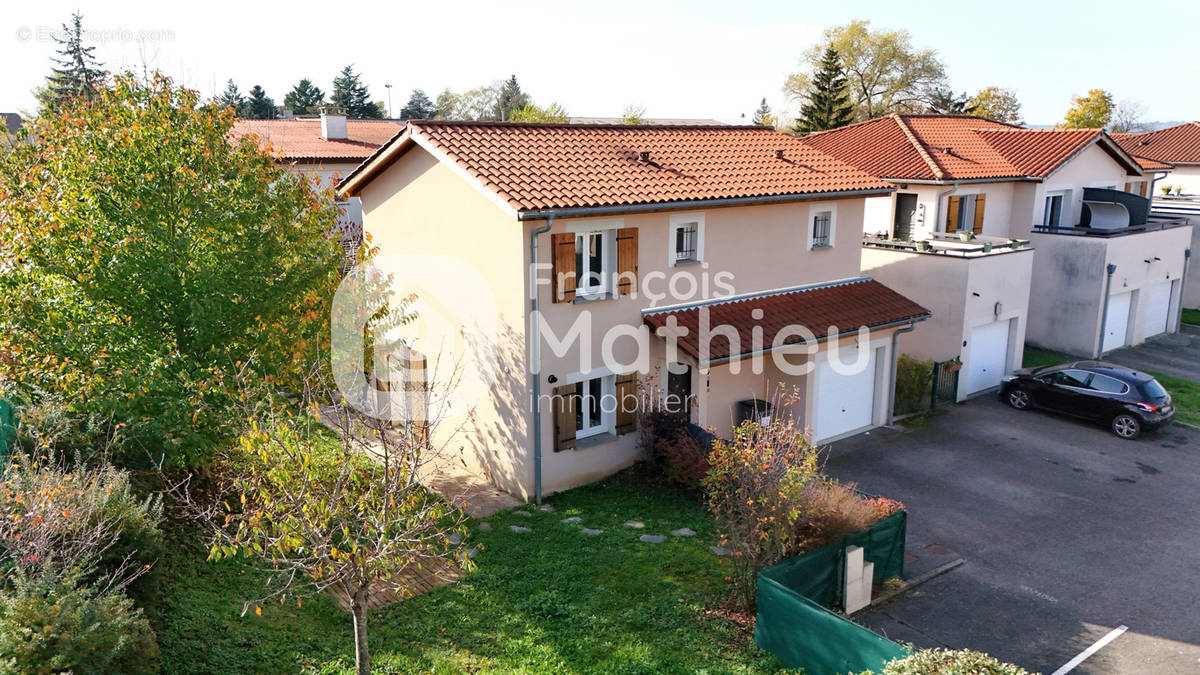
<point>987,357</point>
<point>843,402</point>
<point>1158,308</point>
<point>1116,324</point>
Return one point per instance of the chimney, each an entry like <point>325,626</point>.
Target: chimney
<point>778,154</point>
<point>333,123</point>
<point>644,156</point>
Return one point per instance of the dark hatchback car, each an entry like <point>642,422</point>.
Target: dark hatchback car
<point>1128,401</point>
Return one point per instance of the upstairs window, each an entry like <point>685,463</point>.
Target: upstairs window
<point>685,243</point>
<point>686,238</point>
<point>591,263</point>
<point>822,229</point>
<point>1052,215</point>
<point>964,213</point>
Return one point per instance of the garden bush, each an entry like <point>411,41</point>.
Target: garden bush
<point>54,624</point>
<point>681,457</point>
<point>913,380</point>
<point>950,662</point>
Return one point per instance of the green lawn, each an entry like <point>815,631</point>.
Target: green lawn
<point>1191,316</point>
<point>548,601</point>
<point>1185,393</point>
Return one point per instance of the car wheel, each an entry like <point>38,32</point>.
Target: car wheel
<point>1019,398</point>
<point>1127,426</point>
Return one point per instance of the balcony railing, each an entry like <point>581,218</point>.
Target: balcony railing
<point>951,245</point>
<point>1156,221</point>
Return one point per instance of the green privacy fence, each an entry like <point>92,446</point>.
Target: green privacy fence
<point>793,622</point>
<point>8,430</point>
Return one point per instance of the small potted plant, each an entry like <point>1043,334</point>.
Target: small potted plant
<point>1014,243</point>
<point>922,245</point>
<point>987,247</point>
<point>1178,190</point>
<point>1166,190</point>
<point>965,235</point>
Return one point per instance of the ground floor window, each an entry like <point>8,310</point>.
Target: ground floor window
<point>594,412</point>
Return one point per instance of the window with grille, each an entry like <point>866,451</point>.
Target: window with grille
<point>822,229</point>
<point>685,242</point>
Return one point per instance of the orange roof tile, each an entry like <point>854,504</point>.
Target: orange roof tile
<point>302,140</point>
<point>843,305</point>
<point>563,166</point>
<point>1179,144</point>
<point>956,147</point>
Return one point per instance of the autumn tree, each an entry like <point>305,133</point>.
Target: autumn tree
<point>259,106</point>
<point>419,107</point>
<point>77,72</point>
<point>884,72</point>
<point>997,104</point>
<point>350,94</point>
<point>304,98</point>
<point>447,105</point>
<point>763,116</point>
<point>1128,116</point>
<point>1093,111</point>
<point>533,113</point>
<point>826,100</point>
<point>147,257</point>
<point>633,114</point>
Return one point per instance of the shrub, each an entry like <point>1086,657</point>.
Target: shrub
<point>913,380</point>
<point>681,457</point>
<point>950,662</point>
<point>829,512</point>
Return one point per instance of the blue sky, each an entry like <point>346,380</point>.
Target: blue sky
<point>678,59</point>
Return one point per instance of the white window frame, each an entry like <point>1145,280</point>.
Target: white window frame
<point>678,221</point>
<point>1064,212</point>
<point>596,288</point>
<point>608,418</point>
<point>813,211</point>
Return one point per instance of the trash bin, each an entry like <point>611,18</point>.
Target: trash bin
<point>754,409</point>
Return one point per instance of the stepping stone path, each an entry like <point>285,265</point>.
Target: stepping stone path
<point>454,538</point>
<point>637,525</point>
<point>653,538</point>
<point>524,514</point>
<point>519,528</point>
<point>546,507</point>
<point>590,532</point>
<point>485,527</point>
<point>572,519</point>
<point>719,550</point>
<point>471,553</point>
<point>683,532</point>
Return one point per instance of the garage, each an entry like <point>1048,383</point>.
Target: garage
<point>987,357</point>
<point>1158,309</point>
<point>1116,322</point>
<point>843,402</point>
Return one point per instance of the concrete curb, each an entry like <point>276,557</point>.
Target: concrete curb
<point>909,585</point>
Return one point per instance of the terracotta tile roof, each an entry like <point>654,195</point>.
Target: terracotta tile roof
<point>956,147</point>
<point>302,140</point>
<point>845,305</point>
<point>1148,164</point>
<point>1179,144</point>
<point>563,166</point>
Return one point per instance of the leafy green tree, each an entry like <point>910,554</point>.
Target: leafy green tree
<point>305,98</point>
<point>350,94</point>
<point>232,98</point>
<point>147,258</point>
<point>447,105</point>
<point>997,104</point>
<point>555,113</point>
<point>944,102</point>
<point>633,114</point>
<point>827,102</point>
<point>763,116</point>
<point>419,107</point>
<point>1093,111</point>
<point>884,72</point>
<point>259,106</point>
<point>510,99</point>
<point>77,72</point>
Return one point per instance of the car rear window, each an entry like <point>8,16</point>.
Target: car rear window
<point>1152,389</point>
<point>1108,385</point>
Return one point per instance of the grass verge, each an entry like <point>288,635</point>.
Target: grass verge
<point>1191,316</point>
<point>1185,393</point>
<point>547,601</point>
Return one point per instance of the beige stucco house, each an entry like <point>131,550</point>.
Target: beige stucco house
<point>1009,234</point>
<point>641,238</point>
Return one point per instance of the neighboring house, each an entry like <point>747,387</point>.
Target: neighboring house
<point>650,121</point>
<point>1178,146</point>
<point>327,148</point>
<point>633,228</point>
<point>1072,194</point>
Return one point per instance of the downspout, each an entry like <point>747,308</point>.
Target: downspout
<point>912,325</point>
<point>937,207</point>
<point>1112,269</point>
<point>535,363</point>
<point>1187,257</point>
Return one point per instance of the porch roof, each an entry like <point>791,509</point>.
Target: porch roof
<point>844,305</point>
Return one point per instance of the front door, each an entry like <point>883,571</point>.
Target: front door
<point>679,387</point>
<point>906,213</point>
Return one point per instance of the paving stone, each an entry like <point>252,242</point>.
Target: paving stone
<point>590,532</point>
<point>519,528</point>
<point>455,538</point>
<point>637,525</point>
<point>546,507</point>
<point>683,532</point>
<point>572,519</point>
<point>719,550</point>
<point>485,527</point>
<point>471,553</point>
<point>653,538</point>
<point>524,514</point>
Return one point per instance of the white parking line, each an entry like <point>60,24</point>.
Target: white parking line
<point>1070,665</point>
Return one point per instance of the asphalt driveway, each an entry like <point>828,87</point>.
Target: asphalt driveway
<point>1067,532</point>
<point>1175,354</point>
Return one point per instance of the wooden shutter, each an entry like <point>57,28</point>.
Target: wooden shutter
<point>626,403</point>
<point>627,260</point>
<point>565,403</point>
<point>952,214</point>
<point>979,199</point>
<point>1142,190</point>
<point>562,247</point>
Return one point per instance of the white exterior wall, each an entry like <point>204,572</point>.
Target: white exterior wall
<point>1186,176</point>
